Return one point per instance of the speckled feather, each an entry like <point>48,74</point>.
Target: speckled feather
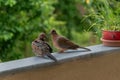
<point>41,48</point>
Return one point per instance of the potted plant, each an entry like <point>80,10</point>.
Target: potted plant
<point>111,29</point>
<point>104,17</point>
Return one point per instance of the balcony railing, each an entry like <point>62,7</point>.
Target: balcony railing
<point>26,64</point>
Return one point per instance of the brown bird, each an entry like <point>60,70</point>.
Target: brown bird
<point>41,48</point>
<point>62,43</point>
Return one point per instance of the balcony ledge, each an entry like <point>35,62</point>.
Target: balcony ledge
<point>14,66</point>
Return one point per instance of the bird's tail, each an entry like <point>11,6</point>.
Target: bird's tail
<point>52,57</point>
<point>84,48</point>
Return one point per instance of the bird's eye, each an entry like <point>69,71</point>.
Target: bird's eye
<point>35,41</point>
<point>53,31</point>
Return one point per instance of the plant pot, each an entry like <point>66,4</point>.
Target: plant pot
<point>112,43</point>
<point>111,38</point>
<point>110,35</point>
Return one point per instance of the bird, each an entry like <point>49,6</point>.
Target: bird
<point>62,43</point>
<point>41,48</point>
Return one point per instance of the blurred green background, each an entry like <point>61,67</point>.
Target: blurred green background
<point>21,21</point>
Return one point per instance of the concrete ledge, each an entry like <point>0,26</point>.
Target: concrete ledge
<point>35,62</point>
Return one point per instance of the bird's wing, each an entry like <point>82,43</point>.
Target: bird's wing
<point>49,47</point>
<point>66,43</point>
<point>40,48</point>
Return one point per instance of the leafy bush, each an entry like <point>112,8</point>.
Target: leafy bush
<point>20,22</point>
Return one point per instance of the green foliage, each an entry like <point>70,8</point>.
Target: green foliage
<point>20,22</point>
<point>71,11</point>
<point>104,14</point>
